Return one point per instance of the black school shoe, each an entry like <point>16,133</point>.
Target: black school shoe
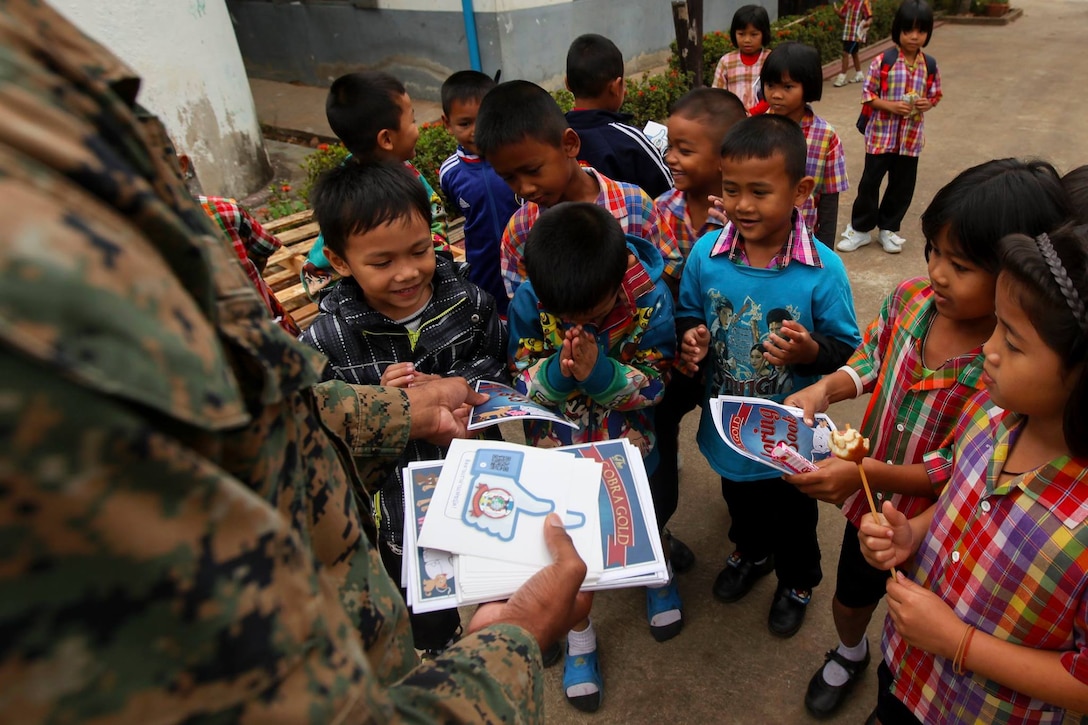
<point>681,556</point>
<point>823,700</point>
<point>788,611</point>
<point>738,576</point>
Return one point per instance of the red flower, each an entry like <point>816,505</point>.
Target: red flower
<point>285,187</point>
<point>322,147</point>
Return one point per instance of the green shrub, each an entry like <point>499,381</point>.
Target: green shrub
<point>327,156</point>
<point>434,146</point>
<point>564,98</point>
<point>650,96</point>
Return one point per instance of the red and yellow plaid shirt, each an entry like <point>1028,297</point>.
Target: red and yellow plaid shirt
<point>825,162</point>
<point>1011,559</point>
<point>854,13</point>
<point>672,209</point>
<point>886,132</point>
<point>732,75</point>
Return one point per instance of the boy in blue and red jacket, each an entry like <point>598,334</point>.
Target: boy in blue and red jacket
<point>469,183</point>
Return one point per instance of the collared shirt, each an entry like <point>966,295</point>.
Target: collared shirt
<point>886,132</point>
<point>249,240</point>
<point>854,13</point>
<point>1011,559</point>
<point>800,247</point>
<point>825,162</point>
<point>911,410</point>
<point>672,208</point>
<point>732,75</point>
<point>631,206</point>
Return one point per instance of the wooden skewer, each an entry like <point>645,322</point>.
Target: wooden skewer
<point>872,502</point>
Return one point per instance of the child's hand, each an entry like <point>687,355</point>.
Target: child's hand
<point>811,400</point>
<point>888,542</point>
<point>792,345</point>
<point>694,345</point>
<point>399,375</point>
<point>899,108</point>
<point>923,618</point>
<point>834,482</point>
<point>423,378</point>
<point>923,104</point>
<point>717,209</point>
<point>583,352</point>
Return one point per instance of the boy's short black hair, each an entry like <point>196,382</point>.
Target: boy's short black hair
<point>913,14</point>
<point>714,107</point>
<point>778,314</point>
<point>362,105</point>
<point>754,15</point>
<point>798,61</point>
<point>984,203</point>
<point>514,111</point>
<point>465,85</point>
<point>575,255</point>
<point>761,137</point>
<point>1075,184</point>
<point>593,61</point>
<point>355,197</point>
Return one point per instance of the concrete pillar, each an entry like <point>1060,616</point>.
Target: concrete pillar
<point>193,79</point>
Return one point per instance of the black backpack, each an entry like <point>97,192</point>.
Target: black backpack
<point>886,62</point>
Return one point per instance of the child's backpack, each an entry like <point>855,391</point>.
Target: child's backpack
<point>886,62</point>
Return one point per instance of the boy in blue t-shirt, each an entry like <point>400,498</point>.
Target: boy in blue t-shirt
<point>763,261</point>
<point>470,184</point>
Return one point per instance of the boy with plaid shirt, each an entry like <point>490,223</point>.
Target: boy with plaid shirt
<point>857,16</point>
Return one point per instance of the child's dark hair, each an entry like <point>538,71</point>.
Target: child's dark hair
<point>1075,184</point>
<point>761,137</point>
<point>798,61</point>
<point>988,201</point>
<point>754,15</point>
<point>1049,276</point>
<point>465,85</point>
<point>355,198</point>
<point>575,255</point>
<point>593,61</point>
<point>514,111</point>
<point>362,105</point>
<point>778,314</point>
<point>714,107</point>
<point>913,14</point>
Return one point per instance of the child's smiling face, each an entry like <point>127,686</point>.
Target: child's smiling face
<point>759,198</point>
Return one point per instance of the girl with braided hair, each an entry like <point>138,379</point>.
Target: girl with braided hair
<point>988,614</point>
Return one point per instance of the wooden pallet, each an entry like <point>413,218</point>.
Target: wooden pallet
<point>298,232</point>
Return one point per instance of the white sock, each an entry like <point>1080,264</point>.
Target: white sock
<point>834,673</point>
<point>581,643</point>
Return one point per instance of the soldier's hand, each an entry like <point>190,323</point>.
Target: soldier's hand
<point>549,604</point>
<point>439,409</point>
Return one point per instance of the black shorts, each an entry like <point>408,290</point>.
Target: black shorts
<point>849,47</point>
<point>890,710</point>
<point>857,585</point>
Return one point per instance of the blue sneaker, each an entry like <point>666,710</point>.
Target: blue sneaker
<point>662,601</point>
<point>583,670</point>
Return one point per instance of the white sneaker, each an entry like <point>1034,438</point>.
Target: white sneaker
<point>891,242</point>
<point>840,80</point>
<point>852,239</point>
<point>858,77</point>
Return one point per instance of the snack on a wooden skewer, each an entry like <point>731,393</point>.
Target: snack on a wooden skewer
<point>850,445</point>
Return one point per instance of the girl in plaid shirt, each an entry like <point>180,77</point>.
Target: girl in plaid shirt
<point>893,136</point>
<point>738,69</point>
<point>857,16</point>
<point>792,78</point>
<point>920,360</point>
<point>994,625</point>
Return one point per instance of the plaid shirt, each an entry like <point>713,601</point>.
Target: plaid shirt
<point>800,247</point>
<point>631,206</point>
<point>911,410</point>
<point>672,209</point>
<point>826,163</point>
<point>853,14</point>
<point>250,240</point>
<point>732,75</point>
<point>1011,559</point>
<point>886,132</point>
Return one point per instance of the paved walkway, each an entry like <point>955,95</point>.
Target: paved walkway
<point>1009,91</point>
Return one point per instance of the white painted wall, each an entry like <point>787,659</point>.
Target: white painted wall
<point>193,80</point>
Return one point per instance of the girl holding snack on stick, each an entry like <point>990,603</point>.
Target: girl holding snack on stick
<point>994,625</point>
<point>920,359</point>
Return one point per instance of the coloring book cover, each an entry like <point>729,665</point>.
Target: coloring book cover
<point>754,426</point>
<point>504,403</point>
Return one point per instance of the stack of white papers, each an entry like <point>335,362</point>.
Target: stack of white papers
<point>474,529</point>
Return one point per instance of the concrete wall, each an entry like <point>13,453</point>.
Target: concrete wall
<point>193,79</point>
<point>423,41</point>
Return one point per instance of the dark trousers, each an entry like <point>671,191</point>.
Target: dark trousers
<point>869,209</point>
<point>682,395</point>
<point>771,517</point>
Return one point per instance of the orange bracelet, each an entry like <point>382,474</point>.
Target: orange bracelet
<point>961,651</point>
